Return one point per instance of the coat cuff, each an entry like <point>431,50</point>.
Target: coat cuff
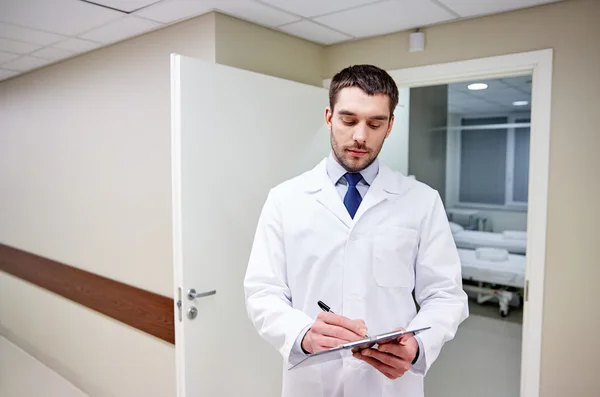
<point>297,353</point>
<point>420,365</point>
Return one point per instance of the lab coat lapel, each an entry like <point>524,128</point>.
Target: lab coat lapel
<point>383,187</point>
<point>325,193</point>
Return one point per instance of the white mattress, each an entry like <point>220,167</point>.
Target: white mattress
<point>510,272</point>
<point>472,239</point>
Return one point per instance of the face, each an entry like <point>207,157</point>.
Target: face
<point>359,125</point>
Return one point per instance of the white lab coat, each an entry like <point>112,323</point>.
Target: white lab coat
<point>307,248</point>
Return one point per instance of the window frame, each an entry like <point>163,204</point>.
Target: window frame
<point>454,157</point>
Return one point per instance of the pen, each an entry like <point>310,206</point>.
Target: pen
<point>326,308</point>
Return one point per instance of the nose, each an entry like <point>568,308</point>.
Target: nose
<point>360,133</point>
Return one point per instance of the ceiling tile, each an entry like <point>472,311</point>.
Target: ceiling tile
<point>256,12</point>
<point>497,98</point>
<point>8,31</point>
<point>386,17</point>
<point>125,5</point>
<point>25,63</point>
<point>455,109</point>
<point>520,81</point>
<point>77,45</point>
<point>168,11</point>
<point>469,8</point>
<point>312,8</point>
<point>124,28</point>
<point>53,54</point>
<point>66,17</point>
<point>5,57</point>
<point>314,32</point>
<point>4,74</point>
<point>17,47</point>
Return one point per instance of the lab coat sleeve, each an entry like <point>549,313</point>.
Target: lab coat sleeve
<point>438,287</point>
<point>297,352</point>
<point>267,294</point>
<point>419,366</point>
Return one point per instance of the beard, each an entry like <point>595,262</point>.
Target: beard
<point>349,162</point>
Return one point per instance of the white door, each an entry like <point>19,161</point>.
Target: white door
<point>235,134</point>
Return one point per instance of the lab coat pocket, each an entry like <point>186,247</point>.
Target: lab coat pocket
<point>394,251</point>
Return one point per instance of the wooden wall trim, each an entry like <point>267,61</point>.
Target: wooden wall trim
<point>141,309</point>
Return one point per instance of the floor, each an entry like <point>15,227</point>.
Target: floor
<point>21,375</point>
<point>483,359</point>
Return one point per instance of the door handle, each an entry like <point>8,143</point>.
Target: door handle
<point>193,294</point>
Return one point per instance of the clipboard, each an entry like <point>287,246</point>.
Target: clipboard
<point>346,349</point>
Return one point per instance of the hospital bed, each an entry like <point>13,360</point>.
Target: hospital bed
<point>493,273</point>
<point>513,241</point>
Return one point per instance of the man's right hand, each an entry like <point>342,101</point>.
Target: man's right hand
<point>331,330</point>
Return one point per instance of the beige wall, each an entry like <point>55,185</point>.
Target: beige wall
<point>23,375</point>
<point>248,46</point>
<point>572,29</point>
<point>85,171</point>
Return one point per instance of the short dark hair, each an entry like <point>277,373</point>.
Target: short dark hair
<point>369,78</point>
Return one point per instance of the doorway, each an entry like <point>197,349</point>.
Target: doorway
<point>537,67</point>
<point>470,140</point>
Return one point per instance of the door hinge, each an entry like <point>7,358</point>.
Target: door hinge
<point>526,290</point>
<point>179,304</point>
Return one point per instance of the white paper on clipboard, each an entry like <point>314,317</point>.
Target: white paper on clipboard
<point>347,349</point>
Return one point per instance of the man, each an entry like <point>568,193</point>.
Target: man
<point>361,238</point>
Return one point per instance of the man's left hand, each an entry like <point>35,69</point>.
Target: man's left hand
<point>391,359</point>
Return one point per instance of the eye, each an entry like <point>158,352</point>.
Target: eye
<point>348,122</point>
<point>374,126</point>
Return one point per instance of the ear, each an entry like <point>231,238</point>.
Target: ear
<point>328,116</point>
<point>390,125</point>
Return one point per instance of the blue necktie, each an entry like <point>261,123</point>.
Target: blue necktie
<point>352,199</point>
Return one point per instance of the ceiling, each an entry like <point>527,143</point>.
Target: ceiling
<point>35,33</point>
<point>497,98</point>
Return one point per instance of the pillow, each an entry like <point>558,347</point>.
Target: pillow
<point>455,227</point>
<point>514,235</point>
<point>492,254</point>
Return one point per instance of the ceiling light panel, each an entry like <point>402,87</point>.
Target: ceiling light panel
<point>477,86</point>
<point>469,8</point>
<point>124,28</point>
<point>125,5</point>
<point>65,17</point>
<point>386,17</point>
<point>314,32</point>
<point>312,8</point>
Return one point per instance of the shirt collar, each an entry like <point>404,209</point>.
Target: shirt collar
<point>336,171</point>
